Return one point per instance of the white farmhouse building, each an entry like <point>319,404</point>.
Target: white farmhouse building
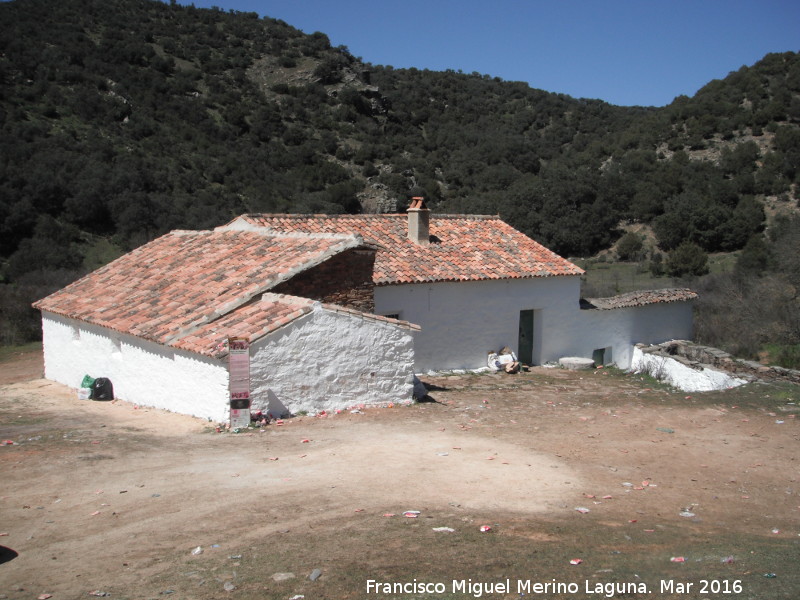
<point>338,310</point>
<point>474,284</point>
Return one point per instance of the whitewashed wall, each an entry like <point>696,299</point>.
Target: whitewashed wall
<point>331,360</point>
<point>462,321</point>
<point>681,376</point>
<point>141,372</point>
<point>324,361</point>
<point>621,328</point>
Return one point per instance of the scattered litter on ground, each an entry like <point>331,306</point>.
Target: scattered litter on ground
<point>197,551</point>
<point>576,561</point>
<point>581,509</point>
<point>282,576</point>
<point>665,429</point>
<point>686,513</point>
<point>677,559</point>
<point>228,586</point>
<point>444,529</point>
<point>315,574</point>
<point>485,528</point>
<point>411,514</point>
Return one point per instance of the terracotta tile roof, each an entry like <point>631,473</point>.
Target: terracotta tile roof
<point>462,248</point>
<point>182,282</point>
<point>252,321</point>
<point>639,298</point>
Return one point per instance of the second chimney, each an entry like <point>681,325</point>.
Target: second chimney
<point>419,221</point>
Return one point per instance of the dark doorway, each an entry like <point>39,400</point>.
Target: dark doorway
<point>525,341</point>
<point>601,356</point>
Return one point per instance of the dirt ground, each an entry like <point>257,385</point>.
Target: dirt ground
<point>108,498</point>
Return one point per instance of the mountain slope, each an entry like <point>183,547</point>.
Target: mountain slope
<point>123,119</point>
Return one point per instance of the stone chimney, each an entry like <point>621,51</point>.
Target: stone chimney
<point>419,221</point>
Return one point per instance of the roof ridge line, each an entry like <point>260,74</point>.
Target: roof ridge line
<point>338,308</point>
<point>294,216</point>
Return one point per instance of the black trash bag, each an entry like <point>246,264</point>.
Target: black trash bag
<point>102,389</point>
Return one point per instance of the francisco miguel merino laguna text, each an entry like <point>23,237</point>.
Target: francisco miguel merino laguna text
<point>477,589</point>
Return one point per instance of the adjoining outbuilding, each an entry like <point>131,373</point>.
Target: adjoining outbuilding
<point>157,322</point>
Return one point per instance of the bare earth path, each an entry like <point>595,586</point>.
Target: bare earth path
<point>107,496</point>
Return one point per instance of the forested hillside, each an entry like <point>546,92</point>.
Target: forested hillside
<point>123,119</point>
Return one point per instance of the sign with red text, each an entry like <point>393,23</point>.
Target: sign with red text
<point>239,381</point>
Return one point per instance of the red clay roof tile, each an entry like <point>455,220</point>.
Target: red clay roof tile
<point>193,289</point>
<point>640,298</point>
<point>462,248</point>
<point>184,280</point>
<point>252,321</point>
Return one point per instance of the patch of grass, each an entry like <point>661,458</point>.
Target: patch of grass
<point>10,352</point>
<point>14,419</point>
<point>99,252</point>
<point>784,355</point>
<point>611,278</point>
<point>765,396</point>
<point>608,278</point>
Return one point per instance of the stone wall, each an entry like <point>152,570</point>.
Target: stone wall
<point>345,279</point>
<point>698,356</point>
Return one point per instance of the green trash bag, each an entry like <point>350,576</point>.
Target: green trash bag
<point>87,382</point>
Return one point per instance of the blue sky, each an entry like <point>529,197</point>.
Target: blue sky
<point>626,52</point>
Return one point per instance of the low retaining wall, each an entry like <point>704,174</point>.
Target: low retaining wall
<point>697,357</point>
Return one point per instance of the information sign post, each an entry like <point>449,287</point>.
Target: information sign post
<point>239,381</point>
